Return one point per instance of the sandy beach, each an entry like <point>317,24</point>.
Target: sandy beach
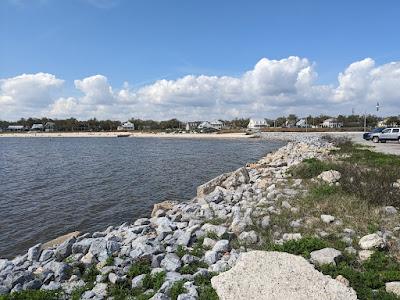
<point>132,134</point>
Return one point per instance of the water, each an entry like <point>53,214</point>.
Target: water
<point>52,186</point>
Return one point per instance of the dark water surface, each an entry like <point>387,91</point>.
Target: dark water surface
<point>52,186</point>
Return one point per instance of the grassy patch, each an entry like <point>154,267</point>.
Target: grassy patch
<point>142,266</point>
<point>323,190</point>
<point>368,279</point>
<point>90,274</point>
<point>302,246</point>
<point>177,289</point>
<point>33,295</point>
<point>310,168</point>
<point>197,248</point>
<point>77,293</point>
<point>205,290</point>
<point>192,267</point>
<point>110,261</point>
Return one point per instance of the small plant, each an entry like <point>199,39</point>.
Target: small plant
<point>77,293</point>
<point>302,246</point>
<point>180,251</point>
<point>310,168</point>
<point>192,267</point>
<point>90,274</point>
<point>205,290</point>
<point>154,281</point>
<point>212,235</point>
<point>176,289</point>
<point>110,261</point>
<point>323,190</point>
<point>142,266</point>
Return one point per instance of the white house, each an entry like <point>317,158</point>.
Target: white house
<point>15,128</point>
<point>257,124</point>
<point>302,123</point>
<point>127,126</point>
<point>211,125</point>
<point>331,123</point>
<point>37,127</point>
<point>192,125</point>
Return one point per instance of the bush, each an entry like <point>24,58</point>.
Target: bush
<point>311,168</point>
<point>177,289</point>
<point>375,185</point>
<point>302,246</point>
<point>142,266</point>
<point>205,290</point>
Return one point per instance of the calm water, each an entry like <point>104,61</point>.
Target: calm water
<point>52,186</point>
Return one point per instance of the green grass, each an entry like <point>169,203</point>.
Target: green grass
<point>369,276</point>
<point>33,295</point>
<point>77,293</point>
<point>181,251</point>
<point>205,290</point>
<point>302,246</point>
<point>142,266</point>
<point>323,190</point>
<point>310,168</point>
<point>177,289</point>
<point>192,267</point>
<point>110,261</point>
<point>90,274</point>
<point>198,249</point>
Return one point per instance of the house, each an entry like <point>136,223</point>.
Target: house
<point>302,123</point>
<point>257,124</point>
<point>37,127</point>
<point>15,128</point>
<point>126,126</point>
<point>192,125</point>
<point>49,126</point>
<point>331,123</point>
<point>217,125</point>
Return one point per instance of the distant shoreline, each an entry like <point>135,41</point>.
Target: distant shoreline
<point>113,134</point>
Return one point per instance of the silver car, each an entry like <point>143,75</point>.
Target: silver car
<point>388,134</point>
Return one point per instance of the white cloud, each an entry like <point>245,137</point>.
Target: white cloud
<point>271,88</point>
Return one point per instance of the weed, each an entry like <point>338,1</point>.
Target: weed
<point>205,290</point>
<point>212,235</point>
<point>323,190</point>
<point>110,261</point>
<point>192,267</point>
<point>310,168</point>
<point>302,246</point>
<point>142,266</point>
<point>176,289</point>
<point>90,274</point>
<point>180,251</point>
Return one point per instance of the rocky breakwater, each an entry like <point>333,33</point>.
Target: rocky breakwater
<point>166,255</point>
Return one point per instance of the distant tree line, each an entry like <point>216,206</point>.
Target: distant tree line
<point>93,124</point>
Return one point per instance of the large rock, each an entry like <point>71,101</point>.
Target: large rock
<point>237,178</point>
<point>393,287</point>
<point>371,241</point>
<point>330,176</point>
<point>34,252</point>
<point>209,186</point>
<point>260,275</point>
<point>163,206</point>
<point>64,249</point>
<point>325,256</point>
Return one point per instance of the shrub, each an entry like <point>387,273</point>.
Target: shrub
<point>177,289</point>
<point>302,246</point>
<point>310,168</point>
<point>192,267</point>
<point>90,274</point>
<point>142,266</point>
<point>205,290</point>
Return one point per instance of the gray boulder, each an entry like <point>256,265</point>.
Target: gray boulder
<point>64,249</point>
<point>371,241</point>
<point>171,262</point>
<point>34,252</point>
<point>325,256</point>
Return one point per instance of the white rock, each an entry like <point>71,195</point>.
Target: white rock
<point>277,275</point>
<point>291,236</point>
<point>371,241</point>
<point>325,256</point>
<point>248,237</point>
<point>208,243</point>
<point>219,230</point>
<point>171,262</point>
<point>364,255</point>
<point>393,287</point>
<point>327,218</point>
<point>330,176</point>
<point>210,257</point>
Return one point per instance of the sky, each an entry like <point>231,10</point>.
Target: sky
<point>198,60</point>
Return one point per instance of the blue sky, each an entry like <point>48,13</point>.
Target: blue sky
<point>140,42</point>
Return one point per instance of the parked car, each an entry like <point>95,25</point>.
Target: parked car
<point>388,134</point>
<point>367,135</point>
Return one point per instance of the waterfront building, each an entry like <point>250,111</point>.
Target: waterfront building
<point>257,124</point>
<point>126,126</point>
<point>331,123</point>
<point>192,125</point>
<point>15,128</point>
<point>37,127</point>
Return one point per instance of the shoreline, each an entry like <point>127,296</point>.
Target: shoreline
<point>259,206</point>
